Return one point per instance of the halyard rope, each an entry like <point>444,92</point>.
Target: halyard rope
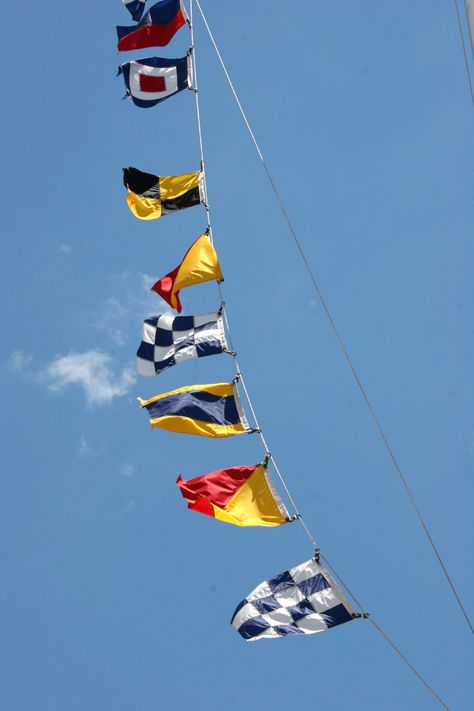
<point>269,456</point>
<point>336,331</point>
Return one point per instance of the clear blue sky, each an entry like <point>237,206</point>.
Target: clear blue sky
<point>113,595</point>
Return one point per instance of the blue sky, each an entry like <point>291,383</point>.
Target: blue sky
<point>114,596</point>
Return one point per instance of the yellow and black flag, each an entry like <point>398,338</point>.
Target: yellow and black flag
<point>213,410</point>
<point>151,196</point>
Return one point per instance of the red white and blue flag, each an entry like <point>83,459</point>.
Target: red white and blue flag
<point>158,27</point>
<point>149,81</point>
<point>135,8</point>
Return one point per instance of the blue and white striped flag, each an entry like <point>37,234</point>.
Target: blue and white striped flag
<point>302,600</point>
<point>135,8</point>
<point>169,340</point>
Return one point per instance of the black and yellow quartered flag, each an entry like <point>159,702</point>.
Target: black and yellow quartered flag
<point>151,196</point>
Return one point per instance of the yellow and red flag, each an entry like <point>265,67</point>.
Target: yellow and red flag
<point>200,264</point>
<point>244,496</point>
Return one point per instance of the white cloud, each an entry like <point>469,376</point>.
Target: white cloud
<point>131,504</point>
<point>111,319</point>
<point>120,314</point>
<point>115,516</point>
<point>83,450</point>
<point>93,371</point>
<point>127,469</point>
<point>18,361</point>
<point>65,248</point>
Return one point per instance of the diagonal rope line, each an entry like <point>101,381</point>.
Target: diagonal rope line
<point>337,333</point>
<point>405,660</point>
<point>466,61</point>
<point>252,410</point>
<point>238,370</point>
<point>469,10</point>
<point>385,635</point>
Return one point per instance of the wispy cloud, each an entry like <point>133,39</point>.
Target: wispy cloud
<point>18,361</point>
<point>131,301</point>
<point>94,371</point>
<point>125,510</point>
<point>111,319</point>
<point>65,248</point>
<point>131,505</point>
<point>84,449</point>
<point>127,469</point>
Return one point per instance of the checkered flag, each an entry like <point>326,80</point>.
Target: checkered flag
<point>168,340</point>
<point>302,600</point>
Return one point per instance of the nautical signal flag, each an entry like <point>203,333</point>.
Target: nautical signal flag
<point>302,600</point>
<point>169,340</point>
<point>151,196</point>
<point>206,410</point>
<point>158,27</point>
<point>149,81</point>
<point>135,8</point>
<point>200,264</point>
<point>244,496</point>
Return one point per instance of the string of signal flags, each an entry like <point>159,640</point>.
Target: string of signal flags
<point>304,599</point>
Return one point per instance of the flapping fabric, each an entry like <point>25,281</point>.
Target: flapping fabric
<point>169,340</point>
<point>206,410</point>
<point>302,600</point>
<point>151,196</point>
<point>244,496</point>
<point>154,79</point>
<point>158,27</point>
<point>200,264</point>
<point>135,8</point>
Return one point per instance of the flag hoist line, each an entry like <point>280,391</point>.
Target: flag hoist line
<point>238,370</point>
<point>469,10</point>
<point>239,375</point>
<point>336,331</point>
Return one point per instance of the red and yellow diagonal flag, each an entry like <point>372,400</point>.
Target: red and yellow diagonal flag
<point>200,264</point>
<point>244,496</point>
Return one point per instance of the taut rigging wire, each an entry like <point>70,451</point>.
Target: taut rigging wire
<point>337,333</point>
<point>298,515</point>
<point>466,61</point>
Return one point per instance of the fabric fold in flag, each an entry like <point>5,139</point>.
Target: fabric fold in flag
<point>151,196</point>
<point>207,410</point>
<point>302,600</point>
<point>200,264</point>
<point>244,496</point>
<point>169,340</point>
<point>158,27</point>
<point>152,80</point>
<point>135,8</point>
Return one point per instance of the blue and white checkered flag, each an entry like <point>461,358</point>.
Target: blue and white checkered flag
<point>302,600</point>
<point>169,340</point>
